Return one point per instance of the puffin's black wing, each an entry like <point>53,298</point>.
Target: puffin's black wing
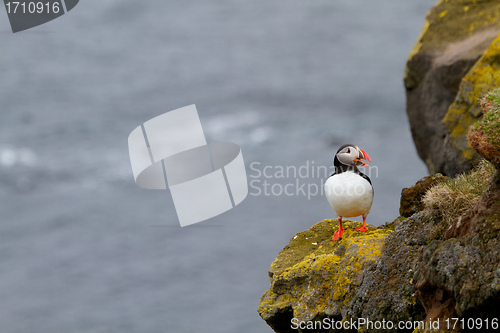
<point>363,175</point>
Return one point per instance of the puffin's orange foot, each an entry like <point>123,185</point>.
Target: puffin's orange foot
<point>338,234</point>
<point>362,228</point>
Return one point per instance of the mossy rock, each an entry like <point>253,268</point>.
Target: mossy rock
<point>442,70</point>
<point>453,20</point>
<point>314,277</point>
<point>465,110</point>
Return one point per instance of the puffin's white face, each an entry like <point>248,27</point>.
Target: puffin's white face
<point>352,155</point>
<point>347,155</point>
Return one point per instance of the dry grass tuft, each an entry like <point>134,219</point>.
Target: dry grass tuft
<point>451,198</point>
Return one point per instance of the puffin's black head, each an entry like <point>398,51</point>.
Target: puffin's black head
<point>351,156</point>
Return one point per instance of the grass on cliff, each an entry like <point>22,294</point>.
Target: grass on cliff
<point>451,198</point>
<point>490,124</point>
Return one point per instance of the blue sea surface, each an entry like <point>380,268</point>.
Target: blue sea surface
<point>83,249</point>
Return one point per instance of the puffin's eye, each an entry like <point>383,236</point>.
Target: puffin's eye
<point>348,150</point>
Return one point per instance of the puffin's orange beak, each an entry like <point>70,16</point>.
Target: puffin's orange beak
<point>362,155</point>
<point>365,155</point>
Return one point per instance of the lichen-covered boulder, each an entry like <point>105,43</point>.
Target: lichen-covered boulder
<point>456,34</point>
<point>314,278</point>
<point>465,110</point>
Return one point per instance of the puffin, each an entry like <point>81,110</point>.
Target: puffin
<point>348,190</point>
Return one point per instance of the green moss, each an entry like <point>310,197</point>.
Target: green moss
<point>494,96</point>
<point>490,123</point>
<point>491,127</point>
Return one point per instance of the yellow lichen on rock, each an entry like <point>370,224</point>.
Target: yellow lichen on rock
<point>418,45</point>
<point>465,110</point>
<point>455,35</point>
<point>314,277</point>
<point>451,21</point>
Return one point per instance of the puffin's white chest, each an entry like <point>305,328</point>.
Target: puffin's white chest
<point>349,194</point>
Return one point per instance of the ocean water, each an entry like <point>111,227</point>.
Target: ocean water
<point>83,249</point>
